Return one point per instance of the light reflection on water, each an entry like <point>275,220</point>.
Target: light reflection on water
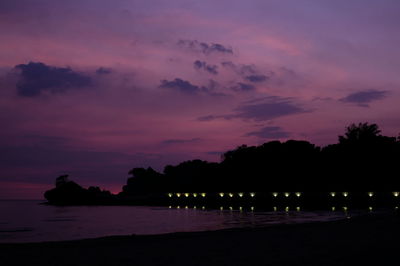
<point>27,221</point>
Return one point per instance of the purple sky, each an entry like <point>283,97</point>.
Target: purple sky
<point>94,88</point>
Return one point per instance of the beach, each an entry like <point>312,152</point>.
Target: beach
<point>366,240</point>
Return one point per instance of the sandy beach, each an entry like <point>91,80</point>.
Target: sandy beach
<point>367,240</point>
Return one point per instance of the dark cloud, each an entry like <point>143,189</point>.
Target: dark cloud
<point>204,48</point>
<point>188,88</point>
<point>201,65</point>
<point>256,78</point>
<point>243,87</point>
<point>243,70</point>
<point>181,85</point>
<point>36,78</point>
<point>269,133</point>
<point>180,141</point>
<point>261,110</point>
<point>103,71</point>
<point>247,72</point>
<point>362,98</point>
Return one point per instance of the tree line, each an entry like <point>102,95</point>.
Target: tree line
<point>361,160</point>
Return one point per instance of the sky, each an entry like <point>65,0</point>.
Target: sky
<point>94,88</point>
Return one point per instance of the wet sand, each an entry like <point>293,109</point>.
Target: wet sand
<point>367,240</point>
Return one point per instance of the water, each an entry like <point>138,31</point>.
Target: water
<point>28,221</point>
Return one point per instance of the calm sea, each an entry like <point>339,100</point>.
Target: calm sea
<point>29,221</point>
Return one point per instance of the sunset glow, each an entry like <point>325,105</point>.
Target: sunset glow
<point>95,88</point>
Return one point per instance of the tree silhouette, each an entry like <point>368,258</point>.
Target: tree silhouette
<point>362,160</point>
<point>363,132</point>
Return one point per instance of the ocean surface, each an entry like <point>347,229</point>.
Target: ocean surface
<point>29,221</point>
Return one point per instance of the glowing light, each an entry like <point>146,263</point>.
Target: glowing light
<point>203,195</point>
<point>186,195</point>
<point>396,208</point>
<point>345,194</point>
<point>370,209</point>
<point>333,209</point>
<point>230,208</point>
<point>333,194</point>
<point>298,209</point>
<point>170,195</point>
<point>370,194</point>
<point>178,207</point>
<point>345,209</point>
<point>195,195</point>
<point>221,208</point>
<point>252,208</point>
<point>298,194</point>
<point>286,209</point>
<point>240,194</point>
<point>194,207</point>
<point>240,208</point>
<point>275,209</point>
<point>203,208</point>
<point>186,207</point>
<point>178,195</point>
<point>169,207</point>
<point>230,195</point>
<point>252,194</point>
<point>396,194</point>
<point>287,194</point>
<point>275,194</point>
<point>221,194</point>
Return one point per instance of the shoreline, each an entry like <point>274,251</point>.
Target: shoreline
<point>368,240</point>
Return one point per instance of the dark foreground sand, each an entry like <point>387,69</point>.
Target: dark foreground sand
<point>371,240</point>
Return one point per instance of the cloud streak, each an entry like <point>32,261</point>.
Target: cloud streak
<point>363,98</point>
<point>264,109</point>
<point>180,141</point>
<point>269,133</point>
